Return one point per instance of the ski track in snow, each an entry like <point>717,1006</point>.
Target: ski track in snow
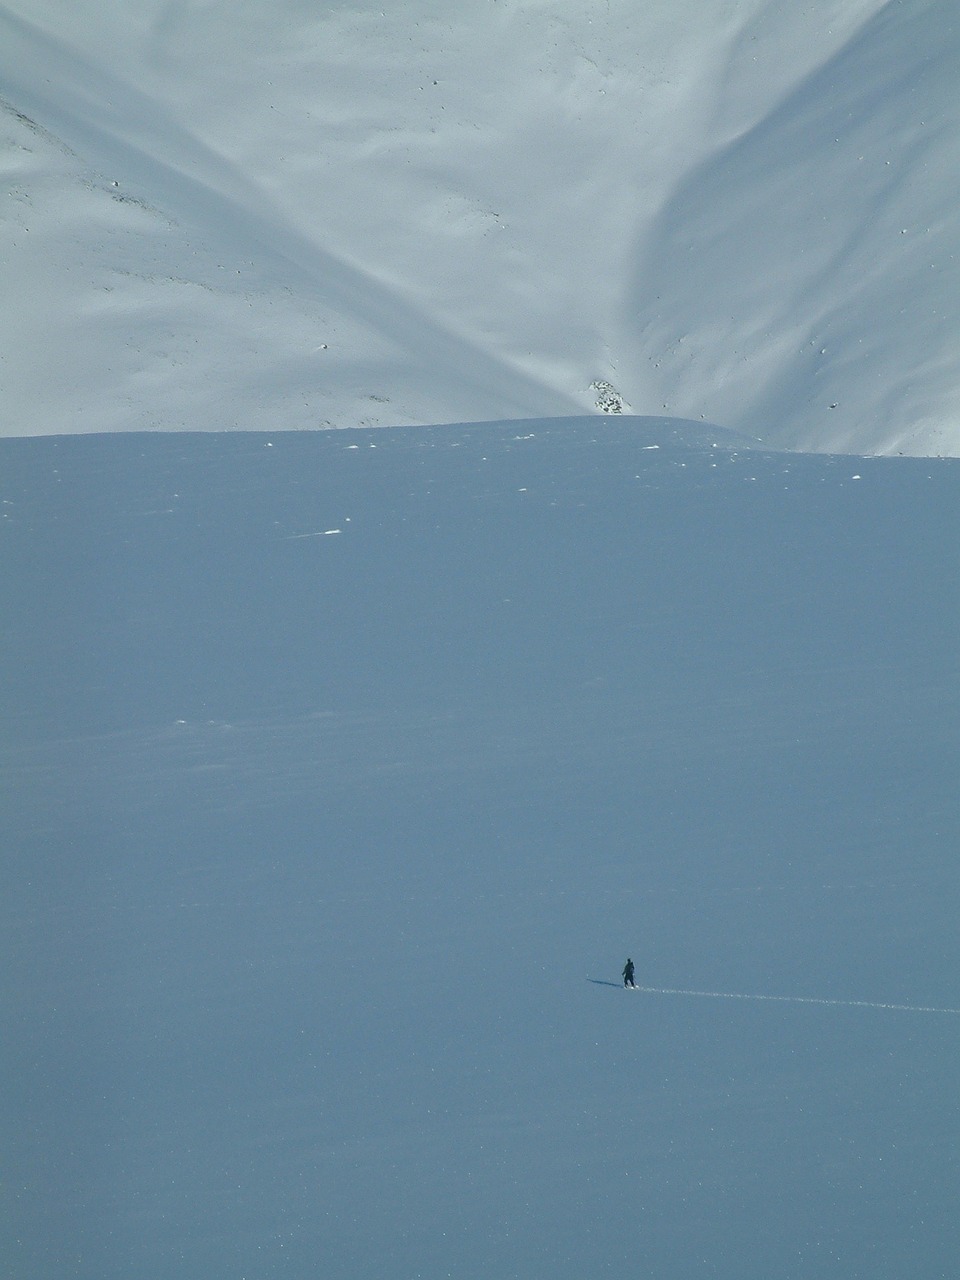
<point>744,995</point>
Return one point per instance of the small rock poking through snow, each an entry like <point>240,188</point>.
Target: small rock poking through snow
<point>609,399</point>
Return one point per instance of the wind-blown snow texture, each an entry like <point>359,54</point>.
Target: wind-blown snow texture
<point>345,769</point>
<point>288,215</point>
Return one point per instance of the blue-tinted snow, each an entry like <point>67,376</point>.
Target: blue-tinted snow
<point>323,852</point>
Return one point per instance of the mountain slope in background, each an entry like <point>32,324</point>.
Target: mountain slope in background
<point>288,215</point>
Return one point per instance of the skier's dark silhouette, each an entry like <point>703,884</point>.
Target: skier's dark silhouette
<point>628,974</point>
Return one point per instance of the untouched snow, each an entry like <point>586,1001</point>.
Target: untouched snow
<point>343,771</point>
<point>291,215</point>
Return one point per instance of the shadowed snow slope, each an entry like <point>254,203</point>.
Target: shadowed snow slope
<point>343,771</point>
<point>284,215</point>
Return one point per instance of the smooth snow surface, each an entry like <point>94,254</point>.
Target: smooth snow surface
<point>287,215</point>
<point>343,771</point>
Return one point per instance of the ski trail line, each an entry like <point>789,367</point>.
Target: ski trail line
<point>850,1004</point>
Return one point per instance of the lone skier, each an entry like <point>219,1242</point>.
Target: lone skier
<point>628,974</point>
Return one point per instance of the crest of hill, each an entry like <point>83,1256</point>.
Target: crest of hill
<point>649,431</point>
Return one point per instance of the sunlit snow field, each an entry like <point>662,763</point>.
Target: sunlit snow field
<point>272,214</point>
<point>344,770</point>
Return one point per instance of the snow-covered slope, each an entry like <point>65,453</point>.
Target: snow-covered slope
<point>344,770</point>
<point>285,215</point>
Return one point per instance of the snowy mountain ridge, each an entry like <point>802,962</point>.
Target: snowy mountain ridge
<point>287,216</point>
